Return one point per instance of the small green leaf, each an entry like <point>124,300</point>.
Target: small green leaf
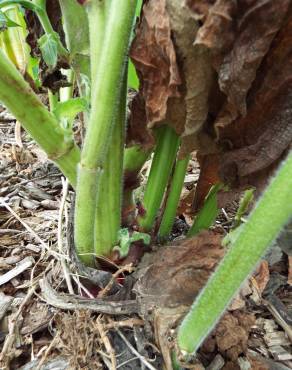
<point>48,44</point>
<point>126,240</point>
<point>6,22</point>
<point>70,108</point>
<point>208,213</point>
<point>140,236</point>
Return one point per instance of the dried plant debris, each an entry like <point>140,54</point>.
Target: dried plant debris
<point>174,275</point>
<point>154,56</point>
<point>207,68</point>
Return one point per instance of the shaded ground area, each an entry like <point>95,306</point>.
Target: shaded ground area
<point>254,334</point>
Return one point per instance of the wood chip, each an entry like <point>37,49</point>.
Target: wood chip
<point>278,338</point>
<point>217,363</point>
<point>50,204</point>
<point>279,353</point>
<point>23,265</point>
<point>5,303</point>
<point>33,248</point>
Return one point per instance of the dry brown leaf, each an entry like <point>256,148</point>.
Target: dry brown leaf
<point>176,75</point>
<point>262,276</point>
<point>154,56</point>
<point>257,23</point>
<point>175,274</point>
<point>262,136</point>
<point>200,8</point>
<point>197,74</point>
<point>255,144</point>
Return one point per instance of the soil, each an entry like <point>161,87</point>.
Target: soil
<point>54,316</point>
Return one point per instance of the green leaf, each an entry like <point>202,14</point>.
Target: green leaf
<point>140,236</point>
<point>126,240</point>
<point>6,22</point>
<point>133,80</point>
<point>25,3</point>
<point>70,108</point>
<point>208,213</point>
<point>139,7</point>
<point>48,44</point>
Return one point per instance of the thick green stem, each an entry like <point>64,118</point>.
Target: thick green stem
<point>176,186</point>
<point>163,160</point>
<point>105,96</point>
<point>23,103</point>
<point>108,208</point>
<point>272,212</point>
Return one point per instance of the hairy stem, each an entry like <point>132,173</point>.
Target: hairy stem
<point>272,212</point>
<point>108,209</point>
<point>105,95</point>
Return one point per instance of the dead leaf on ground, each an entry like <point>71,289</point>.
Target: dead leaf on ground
<point>262,276</point>
<point>175,274</point>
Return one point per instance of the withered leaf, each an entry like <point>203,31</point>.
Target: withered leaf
<point>254,143</point>
<point>266,131</point>
<point>175,274</point>
<point>257,23</point>
<point>153,54</point>
<point>197,74</point>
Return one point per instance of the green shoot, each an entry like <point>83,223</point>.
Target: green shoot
<point>177,182</point>
<point>125,241</point>
<point>208,213</point>
<point>243,205</point>
<point>163,160</point>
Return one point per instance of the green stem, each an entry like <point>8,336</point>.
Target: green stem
<point>135,157</point>
<point>272,212</point>
<point>106,91</point>
<point>23,103</point>
<point>96,12</point>
<point>163,160</point>
<point>108,209</point>
<point>173,197</point>
<point>53,100</point>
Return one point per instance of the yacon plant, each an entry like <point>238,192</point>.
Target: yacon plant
<point>93,58</point>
